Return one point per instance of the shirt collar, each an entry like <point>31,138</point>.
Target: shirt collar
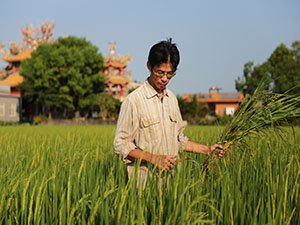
<point>151,92</point>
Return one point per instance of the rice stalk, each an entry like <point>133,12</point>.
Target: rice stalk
<point>264,109</point>
<point>31,204</point>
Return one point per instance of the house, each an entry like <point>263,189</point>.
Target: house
<point>219,104</point>
<point>10,105</point>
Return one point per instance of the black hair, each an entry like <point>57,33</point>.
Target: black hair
<point>164,52</point>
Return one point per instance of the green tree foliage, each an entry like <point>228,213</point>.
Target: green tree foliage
<point>63,75</point>
<point>252,77</point>
<point>109,106</point>
<point>183,105</point>
<point>285,68</point>
<point>192,111</point>
<point>281,72</point>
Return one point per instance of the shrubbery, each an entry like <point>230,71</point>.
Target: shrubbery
<point>8,123</point>
<point>38,119</point>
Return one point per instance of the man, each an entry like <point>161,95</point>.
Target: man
<point>150,126</point>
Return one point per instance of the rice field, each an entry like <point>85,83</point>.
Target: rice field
<point>70,175</point>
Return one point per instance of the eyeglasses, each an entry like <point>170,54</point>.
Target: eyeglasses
<point>161,74</point>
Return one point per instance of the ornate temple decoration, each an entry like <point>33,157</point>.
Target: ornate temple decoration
<point>17,52</point>
<point>117,78</point>
<point>34,36</point>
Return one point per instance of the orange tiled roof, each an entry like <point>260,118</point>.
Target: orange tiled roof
<point>13,80</point>
<point>117,80</point>
<point>26,54</point>
<point>115,63</point>
<point>216,98</point>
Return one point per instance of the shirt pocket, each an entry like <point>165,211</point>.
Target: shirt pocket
<point>149,121</point>
<point>151,129</point>
<point>173,118</point>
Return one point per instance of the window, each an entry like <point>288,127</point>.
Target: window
<point>2,109</point>
<point>12,110</point>
<point>229,111</point>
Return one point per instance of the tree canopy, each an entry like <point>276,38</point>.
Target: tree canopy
<point>63,75</point>
<point>192,111</point>
<point>109,106</point>
<point>281,72</point>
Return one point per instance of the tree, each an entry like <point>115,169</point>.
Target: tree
<point>63,75</point>
<point>281,72</point>
<point>285,70</point>
<point>252,76</point>
<point>192,111</point>
<point>183,106</point>
<point>194,107</point>
<point>109,106</point>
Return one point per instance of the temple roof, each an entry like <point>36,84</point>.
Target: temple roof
<point>115,63</point>
<point>118,80</point>
<point>26,54</point>
<point>13,80</point>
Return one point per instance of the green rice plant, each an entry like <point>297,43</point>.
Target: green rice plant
<point>257,113</point>
<point>262,110</point>
<point>70,175</point>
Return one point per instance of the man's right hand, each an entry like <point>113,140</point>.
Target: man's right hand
<point>164,162</point>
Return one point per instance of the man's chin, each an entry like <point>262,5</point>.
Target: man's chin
<point>163,86</point>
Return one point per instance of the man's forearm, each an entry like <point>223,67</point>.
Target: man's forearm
<point>137,154</point>
<point>197,148</point>
<point>164,162</point>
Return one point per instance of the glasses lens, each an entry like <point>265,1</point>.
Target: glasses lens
<point>160,74</point>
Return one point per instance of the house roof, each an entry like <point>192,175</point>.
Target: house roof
<point>13,80</point>
<point>26,54</point>
<point>216,98</point>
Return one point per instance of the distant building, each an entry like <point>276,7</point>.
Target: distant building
<point>10,97</point>
<point>118,80</point>
<point>219,104</point>
<point>10,105</point>
<point>10,75</point>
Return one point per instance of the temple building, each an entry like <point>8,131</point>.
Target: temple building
<point>117,78</point>
<point>219,104</point>
<point>32,37</point>
<point>10,97</point>
<point>10,75</point>
<point>10,78</point>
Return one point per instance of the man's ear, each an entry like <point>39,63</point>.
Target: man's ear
<point>149,66</point>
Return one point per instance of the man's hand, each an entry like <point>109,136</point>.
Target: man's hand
<point>164,162</point>
<point>217,149</point>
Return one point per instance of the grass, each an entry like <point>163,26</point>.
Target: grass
<point>70,175</point>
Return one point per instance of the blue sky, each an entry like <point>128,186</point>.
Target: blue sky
<point>215,38</point>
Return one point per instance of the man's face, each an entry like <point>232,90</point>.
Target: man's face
<point>160,76</point>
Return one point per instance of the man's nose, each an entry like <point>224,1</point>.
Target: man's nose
<point>164,78</point>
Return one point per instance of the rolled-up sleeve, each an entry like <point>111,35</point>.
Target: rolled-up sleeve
<point>183,140</point>
<point>126,130</point>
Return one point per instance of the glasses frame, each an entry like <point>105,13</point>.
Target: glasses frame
<point>161,74</point>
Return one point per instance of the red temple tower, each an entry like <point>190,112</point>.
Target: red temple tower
<point>11,75</point>
<point>117,78</point>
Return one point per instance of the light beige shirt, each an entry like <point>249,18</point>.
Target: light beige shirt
<point>149,123</point>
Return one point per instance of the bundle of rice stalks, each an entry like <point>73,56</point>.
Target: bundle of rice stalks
<point>264,109</point>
